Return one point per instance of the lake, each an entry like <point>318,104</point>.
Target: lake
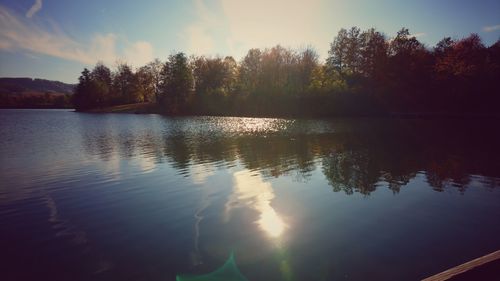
<point>148,197</point>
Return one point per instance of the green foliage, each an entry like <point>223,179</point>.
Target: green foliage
<point>126,85</point>
<point>364,73</point>
<point>101,75</point>
<point>177,83</point>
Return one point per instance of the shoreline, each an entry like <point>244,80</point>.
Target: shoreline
<point>152,108</point>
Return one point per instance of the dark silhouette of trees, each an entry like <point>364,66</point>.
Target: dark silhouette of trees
<point>84,96</point>
<point>250,69</point>
<point>146,84</point>
<point>215,79</point>
<point>177,84</point>
<point>338,51</point>
<point>409,66</point>
<point>34,93</point>
<point>308,63</point>
<point>153,71</point>
<point>101,75</point>
<point>373,54</point>
<point>465,72</point>
<point>126,85</point>
<point>35,100</point>
<point>365,73</point>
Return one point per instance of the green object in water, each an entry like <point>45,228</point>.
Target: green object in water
<point>228,272</point>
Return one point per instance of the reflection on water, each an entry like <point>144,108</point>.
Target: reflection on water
<point>353,156</point>
<point>252,192</point>
<point>146,197</point>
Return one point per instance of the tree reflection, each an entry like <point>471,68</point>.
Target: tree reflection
<point>348,171</point>
<point>359,156</point>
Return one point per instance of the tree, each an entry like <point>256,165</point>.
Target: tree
<point>308,62</point>
<point>364,73</point>
<point>373,53</point>
<point>250,68</point>
<point>230,75</point>
<point>443,46</point>
<point>154,69</point>
<point>146,83</point>
<point>125,85</point>
<point>84,97</point>
<point>353,53</point>
<point>101,76</point>
<point>463,68</point>
<point>338,51</point>
<point>177,83</point>
<point>404,45</point>
<point>278,72</point>
<point>464,58</point>
<point>345,51</point>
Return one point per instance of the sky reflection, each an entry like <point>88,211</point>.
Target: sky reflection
<point>249,190</point>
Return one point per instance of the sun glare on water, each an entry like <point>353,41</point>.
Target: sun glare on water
<point>252,192</point>
<point>271,223</point>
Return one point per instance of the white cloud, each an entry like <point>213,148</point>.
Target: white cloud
<point>491,28</point>
<point>200,173</point>
<point>241,25</point>
<point>102,47</point>
<point>18,33</point>
<point>200,40</point>
<point>37,6</point>
<point>264,23</point>
<point>138,53</point>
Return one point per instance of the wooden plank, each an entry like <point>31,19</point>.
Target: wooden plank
<point>445,275</point>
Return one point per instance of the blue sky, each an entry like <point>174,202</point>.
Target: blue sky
<point>55,39</point>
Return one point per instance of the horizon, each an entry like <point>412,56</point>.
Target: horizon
<point>54,40</point>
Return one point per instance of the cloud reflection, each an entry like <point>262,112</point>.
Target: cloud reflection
<point>200,172</point>
<point>251,191</point>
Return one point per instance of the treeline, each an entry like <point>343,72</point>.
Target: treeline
<point>365,73</point>
<point>22,85</point>
<point>35,100</point>
<point>34,93</point>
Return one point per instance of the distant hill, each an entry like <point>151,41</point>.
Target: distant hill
<point>25,85</point>
<point>34,93</point>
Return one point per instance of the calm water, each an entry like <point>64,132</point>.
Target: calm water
<point>146,197</point>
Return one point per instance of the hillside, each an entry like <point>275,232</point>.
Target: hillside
<point>23,85</point>
<point>34,93</point>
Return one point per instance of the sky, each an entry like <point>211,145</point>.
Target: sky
<point>56,39</point>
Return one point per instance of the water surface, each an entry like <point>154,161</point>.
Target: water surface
<point>147,197</point>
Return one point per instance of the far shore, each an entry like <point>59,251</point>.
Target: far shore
<point>153,108</point>
<point>137,108</point>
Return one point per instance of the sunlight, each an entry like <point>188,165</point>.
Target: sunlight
<point>271,223</point>
<point>252,192</point>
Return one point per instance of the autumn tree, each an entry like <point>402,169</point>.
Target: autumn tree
<point>250,68</point>
<point>125,85</point>
<point>145,85</point>
<point>373,53</point>
<point>152,71</point>
<point>177,83</point>
<point>338,51</point>
<point>308,61</point>
<point>101,76</point>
